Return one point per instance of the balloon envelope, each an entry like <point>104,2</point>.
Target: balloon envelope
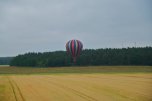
<point>74,48</point>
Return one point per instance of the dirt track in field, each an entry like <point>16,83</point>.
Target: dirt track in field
<point>81,87</point>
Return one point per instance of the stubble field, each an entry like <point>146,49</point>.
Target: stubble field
<point>95,86</point>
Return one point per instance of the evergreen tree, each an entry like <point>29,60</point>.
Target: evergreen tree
<point>108,56</point>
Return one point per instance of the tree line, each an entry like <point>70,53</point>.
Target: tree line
<point>5,60</point>
<point>88,57</point>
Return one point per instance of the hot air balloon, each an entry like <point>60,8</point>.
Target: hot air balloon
<point>74,48</point>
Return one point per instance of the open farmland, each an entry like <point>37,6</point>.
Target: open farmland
<point>77,86</point>
<point>90,69</point>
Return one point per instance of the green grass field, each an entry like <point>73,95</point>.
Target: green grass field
<point>89,69</point>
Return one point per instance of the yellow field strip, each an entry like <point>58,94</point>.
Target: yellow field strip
<point>79,87</point>
<point>85,87</point>
<point>7,94</point>
<point>16,91</point>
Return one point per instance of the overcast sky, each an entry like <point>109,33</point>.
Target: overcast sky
<point>46,25</point>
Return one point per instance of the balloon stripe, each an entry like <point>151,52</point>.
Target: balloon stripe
<point>76,45</point>
<point>69,46</point>
<point>73,48</point>
<point>79,48</point>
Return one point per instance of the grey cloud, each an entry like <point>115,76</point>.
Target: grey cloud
<point>46,25</point>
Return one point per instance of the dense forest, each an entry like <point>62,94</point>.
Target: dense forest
<point>5,60</point>
<point>108,56</point>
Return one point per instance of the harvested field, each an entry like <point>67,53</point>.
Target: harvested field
<point>77,87</point>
